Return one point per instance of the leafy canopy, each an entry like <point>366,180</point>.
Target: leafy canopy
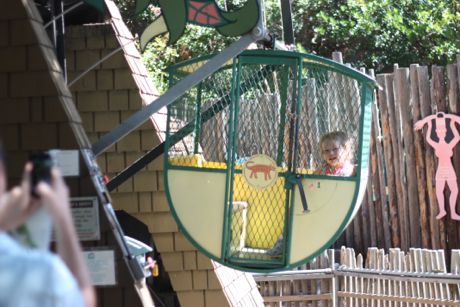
<point>371,33</point>
<point>379,33</point>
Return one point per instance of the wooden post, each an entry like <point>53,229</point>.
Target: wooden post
<point>419,158</point>
<point>272,291</point>
<point>396,163</point>
<point>375,183</point>
<point>411,211</point>
<point>370,202</point>
<point>313,283</point>
<point>380,182</point>
<point>455,267</point>
<point>453,95</point>
<point>334,287</point>
<point>414,286</point>
<point>425,110</point>
<point>388,159</point>
<point>458,70</point>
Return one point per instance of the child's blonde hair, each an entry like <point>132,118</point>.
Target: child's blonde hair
<point>340,136</point>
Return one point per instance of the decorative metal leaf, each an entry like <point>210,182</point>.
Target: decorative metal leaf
<point>97,4</point>
<point>205,13</point>
<point>141,5</point>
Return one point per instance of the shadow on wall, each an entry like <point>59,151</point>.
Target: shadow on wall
<point>160,286</point>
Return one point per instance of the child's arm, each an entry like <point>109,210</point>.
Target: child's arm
<point>320,170</point>
<point>55,198</point>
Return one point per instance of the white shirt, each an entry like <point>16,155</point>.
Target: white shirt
<point>34,278</point>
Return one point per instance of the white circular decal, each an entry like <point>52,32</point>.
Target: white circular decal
<point>260,171</point>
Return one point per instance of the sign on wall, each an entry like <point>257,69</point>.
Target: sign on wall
<point>67,161</point>
<point>101,265</point>
<point>85,212</point>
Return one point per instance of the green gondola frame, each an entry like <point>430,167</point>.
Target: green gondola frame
<point>275,104</point>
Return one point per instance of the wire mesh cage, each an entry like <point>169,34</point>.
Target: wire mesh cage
<point>261,149</point>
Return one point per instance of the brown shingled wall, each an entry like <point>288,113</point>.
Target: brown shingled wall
<point>143,196</point>
<point>192,274</point>
<point>32,118</point>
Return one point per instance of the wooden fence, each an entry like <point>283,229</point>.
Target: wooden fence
<point>400,206</point>
<point>416,278</point>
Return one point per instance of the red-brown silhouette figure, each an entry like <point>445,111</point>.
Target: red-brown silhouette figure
<point>445,172</point>
<point>260,168</point>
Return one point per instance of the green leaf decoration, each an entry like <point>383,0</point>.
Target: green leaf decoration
<point>205,13</point>
<point>242,20</point>
<point>175,15</point>
<point>141,5</point>
<point>97,4</point>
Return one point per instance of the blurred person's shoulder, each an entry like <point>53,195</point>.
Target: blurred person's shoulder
<point>30,277</point>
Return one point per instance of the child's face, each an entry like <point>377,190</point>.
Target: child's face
<point>332,152</point>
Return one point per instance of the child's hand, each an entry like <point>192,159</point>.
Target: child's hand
<point>17,205</point>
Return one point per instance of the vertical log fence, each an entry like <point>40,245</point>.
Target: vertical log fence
<point>400,207</point>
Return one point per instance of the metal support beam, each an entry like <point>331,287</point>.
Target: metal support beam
<point>177,90</point>
<point>136,270</point>
<point>61,15</point>
<point>57,9</point>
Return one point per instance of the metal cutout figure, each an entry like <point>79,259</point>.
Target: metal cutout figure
<point>443,149</point>
<point>175,14</point>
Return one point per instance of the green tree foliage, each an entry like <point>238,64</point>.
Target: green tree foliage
<point>371,33</point>
<point>379,33</point>
<point>195,42</point>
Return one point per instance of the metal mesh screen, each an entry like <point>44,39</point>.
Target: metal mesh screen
<point>280,110</point>
<point>261,129</point>
<point>198,120</point>
<point>329,102</point>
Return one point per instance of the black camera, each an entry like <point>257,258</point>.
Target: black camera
<point>42,163</point>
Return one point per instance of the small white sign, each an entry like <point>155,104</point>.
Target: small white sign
<point>67,161</point>
<point>85,213</point>
<point>101,265</point>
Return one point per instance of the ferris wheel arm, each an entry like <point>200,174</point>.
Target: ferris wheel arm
<point>178,89</point>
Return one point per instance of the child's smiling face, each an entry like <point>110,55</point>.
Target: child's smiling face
<point>333,152</point>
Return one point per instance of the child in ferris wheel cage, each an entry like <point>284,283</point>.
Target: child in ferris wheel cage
<point>336,154</point>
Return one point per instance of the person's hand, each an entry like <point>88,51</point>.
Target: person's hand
<point>55,196</point>
<point>16,206</point>
<point>419,125</point>
<point>454,118</point>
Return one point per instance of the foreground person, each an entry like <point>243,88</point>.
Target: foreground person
<point>35,277</point>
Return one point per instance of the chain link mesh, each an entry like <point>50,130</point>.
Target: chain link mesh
<point>260,130</point>
<point>279,111</point>
<point>329,102</point>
